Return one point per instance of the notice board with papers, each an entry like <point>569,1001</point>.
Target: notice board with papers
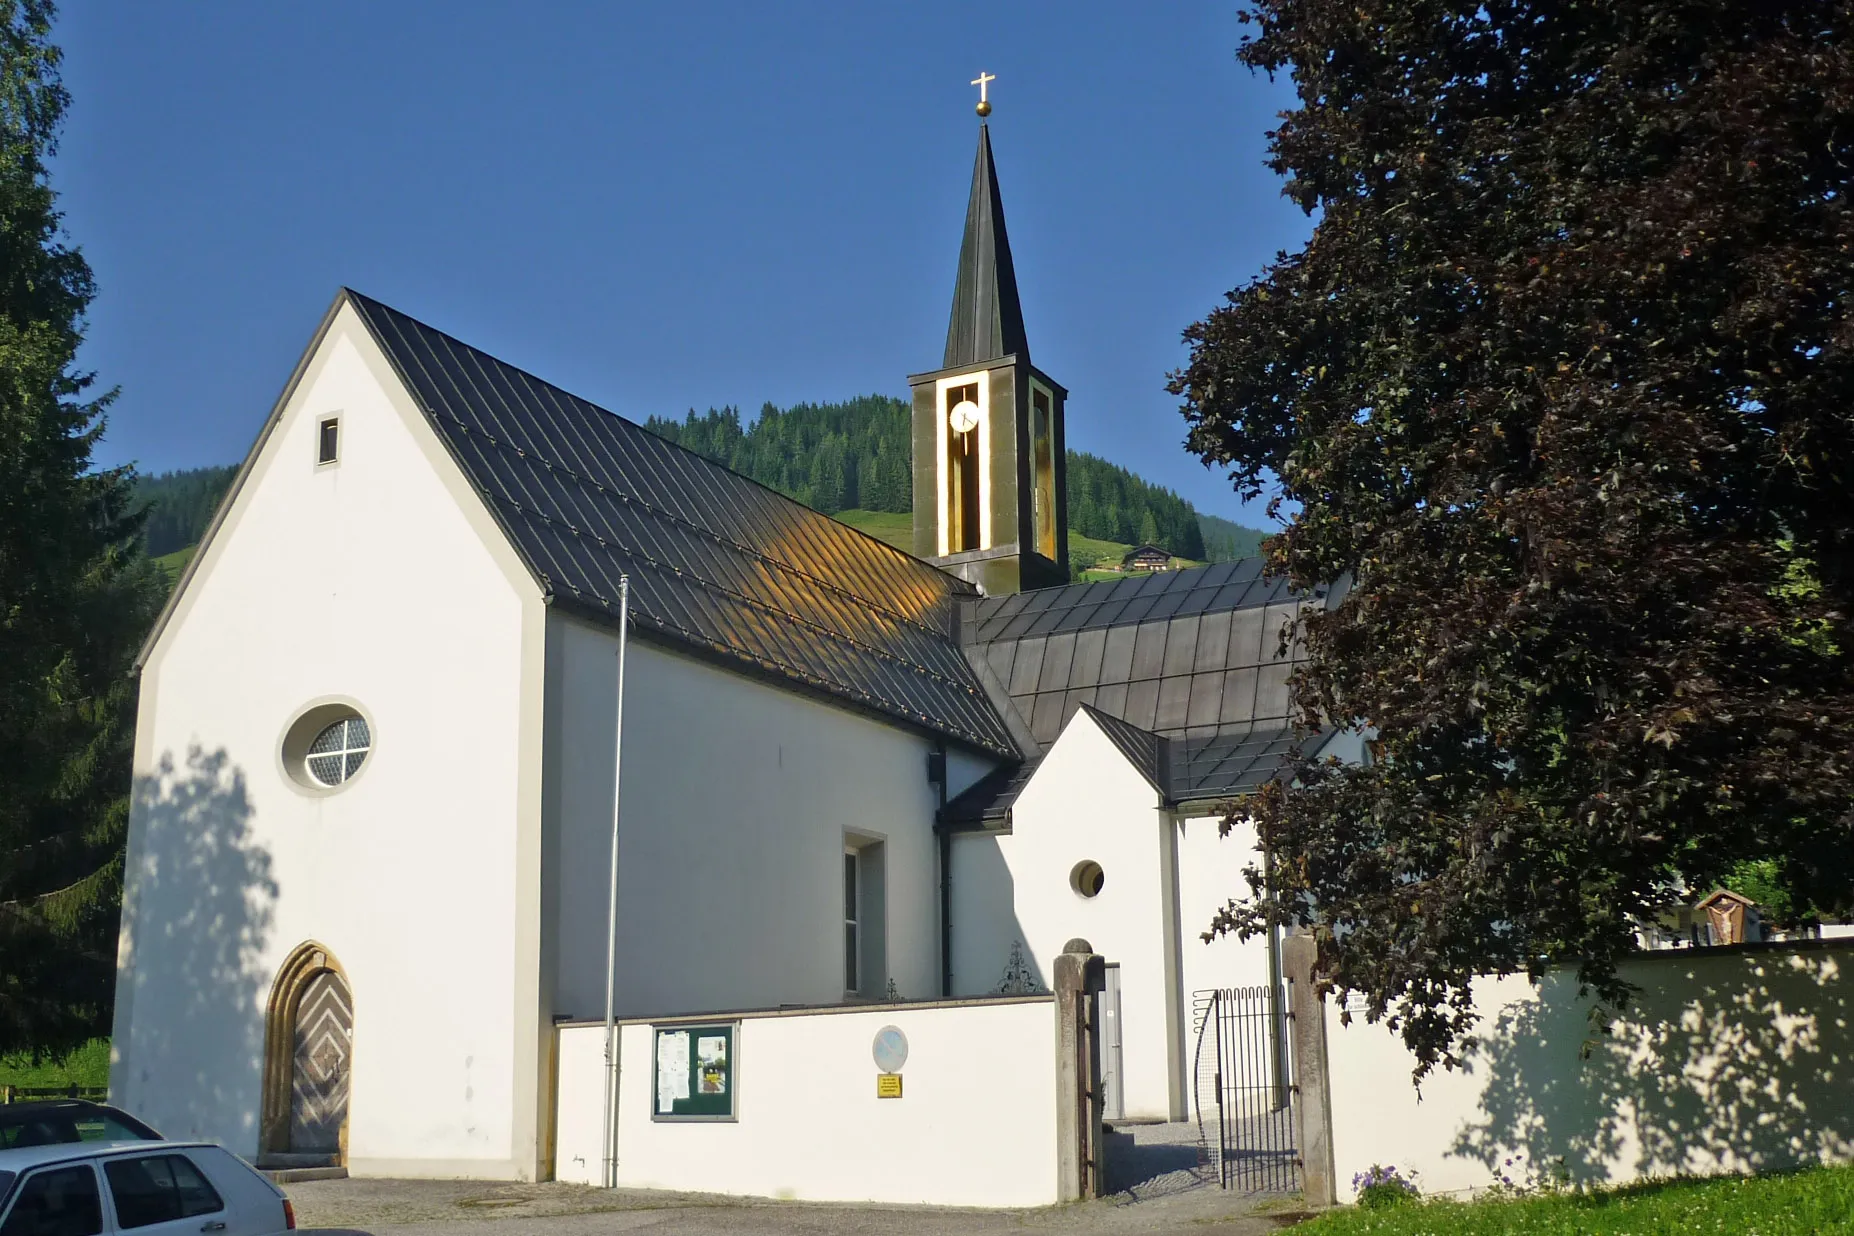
<point>694,1070</point>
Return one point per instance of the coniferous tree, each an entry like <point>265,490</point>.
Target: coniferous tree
<point>76,596</point>
<point>1562,381</point>
<point>1148,530</point>
<point>179,506</point>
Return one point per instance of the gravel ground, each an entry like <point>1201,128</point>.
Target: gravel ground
<point>1163,1160</point>
<point>478,1208</point>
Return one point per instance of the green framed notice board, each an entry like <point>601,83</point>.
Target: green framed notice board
<point>694,1069</point>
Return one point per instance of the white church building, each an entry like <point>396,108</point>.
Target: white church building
<point>369,867</point>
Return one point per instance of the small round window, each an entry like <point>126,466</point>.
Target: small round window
<point>325,746</point>
<point>337,752</point>
<point>1087,878</point>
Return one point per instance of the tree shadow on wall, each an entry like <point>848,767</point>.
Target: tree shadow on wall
<point>1734,1061</point>
<point>199,910</point>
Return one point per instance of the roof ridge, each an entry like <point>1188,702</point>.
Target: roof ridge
<point>1103,714</point>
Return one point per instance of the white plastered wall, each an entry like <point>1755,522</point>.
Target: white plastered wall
<point>1728,1060</point>
<point>975,1124</point>
<point>1210,876</point>
<point>1210,867</point>
<point>383,581</point>
<point>737,796</point>
<point>1086,801</point>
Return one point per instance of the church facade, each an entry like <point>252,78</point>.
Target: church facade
<point>381,732</point>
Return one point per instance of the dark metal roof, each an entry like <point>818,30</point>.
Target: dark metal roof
<point>1180,653</point>
<point>988,319</point>
<point>986,803</point>
<point>1226,765</point>
<point>1144,749</point>
<point>1182,670</point>
<point>719,564</point>
<point>1181,770</point>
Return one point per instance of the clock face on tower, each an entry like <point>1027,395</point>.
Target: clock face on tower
<point>964,416</point>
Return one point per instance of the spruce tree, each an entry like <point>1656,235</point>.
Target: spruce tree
<point>1148,529</point>
<point>76,596</point>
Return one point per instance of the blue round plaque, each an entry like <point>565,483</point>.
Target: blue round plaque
<point>890,1049</point>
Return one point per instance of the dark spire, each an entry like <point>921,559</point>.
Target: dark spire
<point>988,320</point>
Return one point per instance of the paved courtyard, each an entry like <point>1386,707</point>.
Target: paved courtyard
<point>1162,1189</point>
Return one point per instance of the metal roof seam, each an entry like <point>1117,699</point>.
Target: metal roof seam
<point>877,702</point>
<point>825,685</point>
<point>748,550</point>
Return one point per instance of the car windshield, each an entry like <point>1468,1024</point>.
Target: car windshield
<point>6,1183</point>
<point>52,1128</point>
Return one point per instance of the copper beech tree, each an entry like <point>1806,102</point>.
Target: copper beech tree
<point>1563,382</point>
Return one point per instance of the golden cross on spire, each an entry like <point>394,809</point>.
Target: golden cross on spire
<point>983,80</point>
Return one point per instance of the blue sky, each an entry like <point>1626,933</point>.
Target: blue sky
<point>655,206</point>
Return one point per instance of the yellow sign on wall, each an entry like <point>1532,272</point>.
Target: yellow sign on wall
<point>888,1085</point>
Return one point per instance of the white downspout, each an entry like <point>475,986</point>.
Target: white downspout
<point>611,921</point>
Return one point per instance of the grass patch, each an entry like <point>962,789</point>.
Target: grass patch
<point>894,527</point>
<point>88,1067</point>
<point>175,563</point>
<point>897,529</point>
<point>1817,1200</point>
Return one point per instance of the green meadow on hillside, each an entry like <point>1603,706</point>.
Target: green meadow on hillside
<point>173,564</point>
<point>897,529</point>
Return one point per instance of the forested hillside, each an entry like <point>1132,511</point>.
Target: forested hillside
<point>180,506</point>
<point>856,455</point>
<point>849,456</point>
<point>1109,503</point>
<point>1225,541</point>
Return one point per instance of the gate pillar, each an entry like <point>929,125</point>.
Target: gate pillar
<point>1307,1016</point>
<point>1079,974</point>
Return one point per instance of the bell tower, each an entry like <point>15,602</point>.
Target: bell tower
<point>989,454</point>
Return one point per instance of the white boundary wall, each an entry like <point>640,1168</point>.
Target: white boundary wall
<point>975,1126</point>
<point>1728,1060</point>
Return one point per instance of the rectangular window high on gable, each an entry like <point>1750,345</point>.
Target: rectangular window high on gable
<point>328,440</point>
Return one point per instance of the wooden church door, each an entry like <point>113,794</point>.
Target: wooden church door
<point>322,1047</point>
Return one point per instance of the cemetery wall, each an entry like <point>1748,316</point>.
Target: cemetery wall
<point>1728,1060</point>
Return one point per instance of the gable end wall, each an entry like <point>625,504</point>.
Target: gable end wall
<point>384,581</point>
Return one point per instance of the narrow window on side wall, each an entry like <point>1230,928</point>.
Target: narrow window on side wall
<point>852,943</point>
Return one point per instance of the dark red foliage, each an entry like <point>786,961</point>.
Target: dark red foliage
<point>1564,380</point>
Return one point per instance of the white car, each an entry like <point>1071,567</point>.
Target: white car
<point>149,1188</point>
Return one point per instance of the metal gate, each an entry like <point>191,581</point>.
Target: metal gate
<point>1244,1091</point>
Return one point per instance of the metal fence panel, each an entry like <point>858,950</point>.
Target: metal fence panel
<point>1245,1088</point>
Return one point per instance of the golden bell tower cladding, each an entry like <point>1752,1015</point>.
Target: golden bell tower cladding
<point>988,437</point>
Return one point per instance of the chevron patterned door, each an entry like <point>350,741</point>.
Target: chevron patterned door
<point>324,1044</point>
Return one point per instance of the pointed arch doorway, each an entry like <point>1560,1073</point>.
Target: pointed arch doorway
<point>308,1061</point>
